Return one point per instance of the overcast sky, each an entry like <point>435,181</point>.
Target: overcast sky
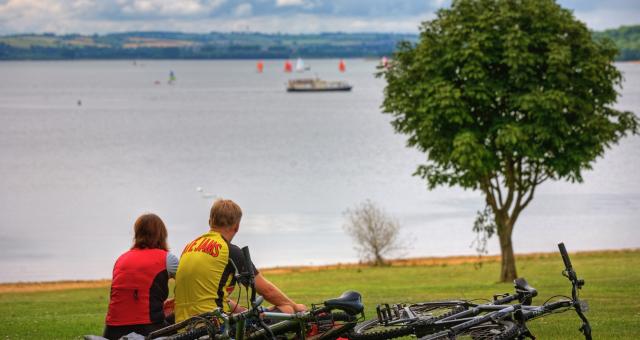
<point>286,16</point>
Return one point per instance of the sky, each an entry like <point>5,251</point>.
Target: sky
<point>269,16</point>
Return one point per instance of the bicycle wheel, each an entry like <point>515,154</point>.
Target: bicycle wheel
<point>501,330</point>
<point>427,313</point>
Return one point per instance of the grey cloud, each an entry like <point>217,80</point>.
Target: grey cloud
<point>149,9</point>
<point>594,5</point>
<point>103,16</point>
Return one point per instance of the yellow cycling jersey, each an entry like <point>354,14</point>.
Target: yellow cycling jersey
<point>205,275</point>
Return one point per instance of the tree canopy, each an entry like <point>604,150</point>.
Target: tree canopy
<point>502,95</point>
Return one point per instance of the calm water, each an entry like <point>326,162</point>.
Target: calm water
<point>74,178</point>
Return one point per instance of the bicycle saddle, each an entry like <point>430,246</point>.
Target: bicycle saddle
<point>522,286</point>
<point>350,302</point>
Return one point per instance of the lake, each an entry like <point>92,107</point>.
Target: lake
<point>87,146</point>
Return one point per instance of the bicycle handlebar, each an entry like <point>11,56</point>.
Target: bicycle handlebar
<point>576,284</point>
<point>565,256</point>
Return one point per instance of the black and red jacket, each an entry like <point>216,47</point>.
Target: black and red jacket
<point>139,288</point>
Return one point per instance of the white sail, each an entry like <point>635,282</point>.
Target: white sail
<point>300,65</point>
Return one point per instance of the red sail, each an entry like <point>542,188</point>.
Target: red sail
<point>341,66</point>
<point>287,66</point>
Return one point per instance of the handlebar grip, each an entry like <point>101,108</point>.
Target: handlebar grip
<point>565,256</point>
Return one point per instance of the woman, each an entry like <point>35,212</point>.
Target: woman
<point>140,281</point>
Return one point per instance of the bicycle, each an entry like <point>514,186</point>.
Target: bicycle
<point>458,318</point>
<point>325,321</point>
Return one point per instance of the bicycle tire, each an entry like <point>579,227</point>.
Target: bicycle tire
<point>428,312</point>
<point>500,330</point>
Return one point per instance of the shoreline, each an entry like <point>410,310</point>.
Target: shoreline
<point>42,286</point>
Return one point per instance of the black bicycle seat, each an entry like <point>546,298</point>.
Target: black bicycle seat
<point>522,286</point>
<point>350,302</point>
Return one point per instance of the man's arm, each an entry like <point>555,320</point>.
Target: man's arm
<point>235,307</point>
<point>275,296</point>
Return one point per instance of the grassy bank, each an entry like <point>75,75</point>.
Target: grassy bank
<point>612,280</point>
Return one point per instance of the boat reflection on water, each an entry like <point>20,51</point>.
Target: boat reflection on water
<point>316,85</point>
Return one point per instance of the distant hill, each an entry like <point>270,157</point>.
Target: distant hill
<point>171,45</point>
<point>239,45</point>
<point>627,38</point>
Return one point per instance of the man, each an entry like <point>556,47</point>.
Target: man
<point>205,277</point>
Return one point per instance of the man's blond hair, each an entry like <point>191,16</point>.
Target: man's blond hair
<point>224,213</point>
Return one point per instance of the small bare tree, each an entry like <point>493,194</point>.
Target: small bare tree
<point>375,233</point>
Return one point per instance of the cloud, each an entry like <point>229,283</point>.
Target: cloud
<point>134,9</point>
<point>289,16</point>
<point>600,15</point>
<point>608,18</point>
<point>281,3</point>
<point>243,10</point>
<point>30,15</point>
<point>168,8</point>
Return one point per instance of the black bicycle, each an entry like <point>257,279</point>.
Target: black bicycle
<point>425,318</point>
<point>326,321</point>
<point>495,320</point>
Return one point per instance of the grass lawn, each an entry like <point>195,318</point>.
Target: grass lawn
<point>612,290</point>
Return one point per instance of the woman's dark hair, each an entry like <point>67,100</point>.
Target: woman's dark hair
<point>149,233</point>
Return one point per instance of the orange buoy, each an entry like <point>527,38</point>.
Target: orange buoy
<point>260,66</point>
<point>341,66</point>
<point>287,66</point>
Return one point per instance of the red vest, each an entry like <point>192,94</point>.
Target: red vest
<point>139,288</point>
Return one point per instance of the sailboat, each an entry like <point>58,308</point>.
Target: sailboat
<point>300,67</point>
<point>172,78</point>
<point>341,66</point>
<point>287,66</point>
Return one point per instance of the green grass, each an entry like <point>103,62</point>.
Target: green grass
<point>612,281</point>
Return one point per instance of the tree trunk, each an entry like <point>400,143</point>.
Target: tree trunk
<point>508,267</point>
<point>379,261</point>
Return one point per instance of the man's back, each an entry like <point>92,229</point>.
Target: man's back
<point>205,276</point>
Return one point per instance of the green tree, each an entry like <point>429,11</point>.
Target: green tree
<point>503,95</point>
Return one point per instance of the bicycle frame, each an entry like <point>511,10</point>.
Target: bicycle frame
<point>470,314</point>
<point>520,313</point>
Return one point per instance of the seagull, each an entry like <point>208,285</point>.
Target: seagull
<point>205,194</point>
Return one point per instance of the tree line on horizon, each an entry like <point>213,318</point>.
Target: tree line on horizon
<point>214,45</point>
<point>236,45</point>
